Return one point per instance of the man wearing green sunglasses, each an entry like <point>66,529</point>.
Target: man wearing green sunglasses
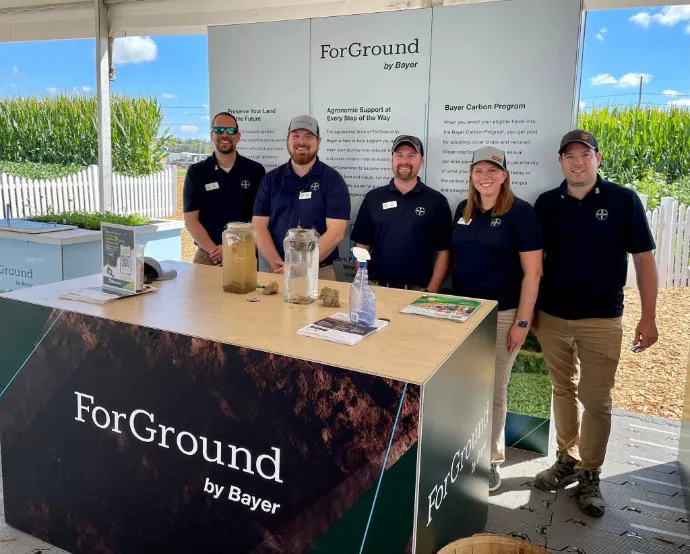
<point>219,190</point>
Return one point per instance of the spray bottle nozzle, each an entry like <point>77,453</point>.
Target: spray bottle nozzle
<point>362,254</point>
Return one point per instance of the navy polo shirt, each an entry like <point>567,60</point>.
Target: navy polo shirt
<point>404,232</point>
<point>219,196</point>
<point>486,262</point>
<point>586,243</point>
<point>289,200</point>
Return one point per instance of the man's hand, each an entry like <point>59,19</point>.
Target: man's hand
<point>646,334</point>
<point>516,337</point>
<point>216,254</point>
<point>278,266</point>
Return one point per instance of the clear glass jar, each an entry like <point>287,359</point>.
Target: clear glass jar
<point>239,258</point>
<point>301,272</point>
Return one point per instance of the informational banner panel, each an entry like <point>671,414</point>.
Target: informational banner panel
<point>502,74</point>
<point>260,73</point>
<point>370,83</point>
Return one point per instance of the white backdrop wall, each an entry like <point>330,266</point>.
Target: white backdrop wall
<point>458,77</point>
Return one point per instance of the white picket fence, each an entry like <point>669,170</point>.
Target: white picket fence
<point>670,225</point>
<point>152,195</point>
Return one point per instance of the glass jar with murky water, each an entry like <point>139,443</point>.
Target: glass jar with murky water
<point>239,258</point>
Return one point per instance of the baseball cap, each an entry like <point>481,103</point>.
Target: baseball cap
<point>578,135</point>
<point>304,122</point>
<point>154,271</point>
<point>413,141</point>
<point>489,154</point>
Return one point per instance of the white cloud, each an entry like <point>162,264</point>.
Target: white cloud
<point>12,85</point>
<point>603,79</point>
<point>168,96</point>
<point>134,50</point>
<point>630,80</point>
<point>52,91</point>
<point>602,32</point>
<point>643,19</point>
<point>670,92</point>
<point>206,117</point>
<point>205,106</point>
<point>18,73</point>
<point>680,102</point>
<point>672,15</point>
<point>189,129</point>
<point>583,105</point>
<point>669,16</point>
<point>85,89</point>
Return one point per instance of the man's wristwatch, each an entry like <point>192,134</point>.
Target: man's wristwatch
<point>522,323</point>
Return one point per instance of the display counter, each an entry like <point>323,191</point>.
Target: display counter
<point>28,260</point>
<point>193,420</point>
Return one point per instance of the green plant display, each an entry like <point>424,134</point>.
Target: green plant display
<point>63,131</point>
<point>92,221</point>
<point>31,170</point>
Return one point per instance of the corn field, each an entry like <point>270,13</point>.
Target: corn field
<point>634,142</point>
<point>63,130</point>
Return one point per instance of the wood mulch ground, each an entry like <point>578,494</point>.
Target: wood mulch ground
<point>651,382</point>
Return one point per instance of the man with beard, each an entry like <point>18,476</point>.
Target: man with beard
<point>218,190</point>
<point>406,225</point>
<point>306,192</point>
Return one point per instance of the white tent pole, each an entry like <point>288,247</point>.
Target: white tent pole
<point>105,158</point>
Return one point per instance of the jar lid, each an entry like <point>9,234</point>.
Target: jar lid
<point>239,225</point>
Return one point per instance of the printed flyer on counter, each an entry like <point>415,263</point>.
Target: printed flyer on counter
<point>338,328</point>
<point>119,259</point>
<point>443,307</point>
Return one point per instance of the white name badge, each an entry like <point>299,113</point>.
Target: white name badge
<point>304,195</point>
<point>461,221</point>
<point>389,205</point>
<point>212,186</point>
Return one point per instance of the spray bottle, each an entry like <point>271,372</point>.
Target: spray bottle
<point>362,297</point>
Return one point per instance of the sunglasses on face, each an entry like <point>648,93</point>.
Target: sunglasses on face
<point>228,130</point>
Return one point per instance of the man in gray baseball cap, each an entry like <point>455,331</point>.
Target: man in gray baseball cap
<point>305,192</point>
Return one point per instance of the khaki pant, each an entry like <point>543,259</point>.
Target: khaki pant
<point>581,356</point>
<point>202,257</point>
<point>327,273</point>
<point>504,365</point>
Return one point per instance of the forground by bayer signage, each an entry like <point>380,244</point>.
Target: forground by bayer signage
<point>357,49</point>
<point>15,277</point>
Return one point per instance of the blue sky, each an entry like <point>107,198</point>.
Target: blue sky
<point>620,47</point>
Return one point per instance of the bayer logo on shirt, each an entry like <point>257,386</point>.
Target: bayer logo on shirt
<point>420,211</point>
<point>496,222</point>
<point>602,215</point>
<point>245,184</point>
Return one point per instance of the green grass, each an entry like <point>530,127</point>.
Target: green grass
<point>530,394</point>
<point>92,221</point>
<point>32,170</point>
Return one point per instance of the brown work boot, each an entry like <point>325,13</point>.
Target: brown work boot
<point>559,475</point>
<point>589,493</point>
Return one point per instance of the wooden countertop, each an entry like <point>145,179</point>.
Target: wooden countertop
<point>410,348</point>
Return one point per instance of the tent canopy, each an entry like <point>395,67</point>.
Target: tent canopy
<point>24,20</point>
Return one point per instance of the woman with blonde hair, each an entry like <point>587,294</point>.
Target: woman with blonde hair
<point>497,255</point>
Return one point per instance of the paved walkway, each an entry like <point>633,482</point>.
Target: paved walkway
<point>641,483</point>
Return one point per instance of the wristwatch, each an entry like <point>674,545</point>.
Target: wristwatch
<point>522,323</point>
